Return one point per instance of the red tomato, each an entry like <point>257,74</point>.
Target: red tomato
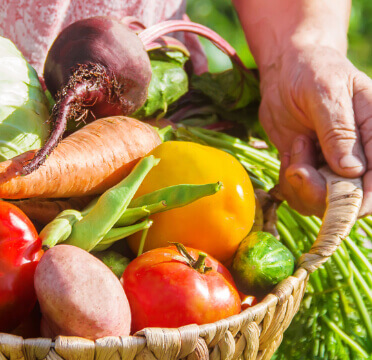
<point>20,251</point>
<point>165,290</point>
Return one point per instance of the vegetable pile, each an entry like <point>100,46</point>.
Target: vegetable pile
<point>169,225</point>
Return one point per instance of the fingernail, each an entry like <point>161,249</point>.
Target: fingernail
<point>295,180</point>
<point>298,146</point>
<point>350,162</point>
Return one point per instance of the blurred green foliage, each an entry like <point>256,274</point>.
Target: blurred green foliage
<point>360,35</point>
<point>220,16</point>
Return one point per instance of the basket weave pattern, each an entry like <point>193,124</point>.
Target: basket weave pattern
<point>254,334</point>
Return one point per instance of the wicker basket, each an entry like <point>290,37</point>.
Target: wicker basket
<point>253,334</point>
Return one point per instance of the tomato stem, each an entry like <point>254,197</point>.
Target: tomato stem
<point>199,264</point>
<point>182,250</point>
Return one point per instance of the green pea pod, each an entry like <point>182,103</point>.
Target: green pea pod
<point>60,228</point>
<point>176,195</point>
<point>116,234</point>
<point>89,207</point>
<point>132,215</point>
<point>110,206</point>
<point>171,197</point>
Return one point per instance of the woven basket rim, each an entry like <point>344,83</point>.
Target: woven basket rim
<point>278,295</point>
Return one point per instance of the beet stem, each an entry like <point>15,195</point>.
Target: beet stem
<point>152,33</point>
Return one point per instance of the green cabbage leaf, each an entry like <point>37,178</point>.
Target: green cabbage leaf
<point>169,82</point>
<point>23,104</point>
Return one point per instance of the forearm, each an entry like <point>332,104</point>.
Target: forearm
<point>274,26</point>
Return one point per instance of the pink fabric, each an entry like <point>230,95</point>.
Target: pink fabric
<point>34,24</point>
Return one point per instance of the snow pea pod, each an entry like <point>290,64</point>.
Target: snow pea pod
<point>164,199</point>
<point>172,197</point>
<point>132,215</point>
<point>177,195</point>
<point>116,234</point>
<point>59,229</point>
<point>89,231</point>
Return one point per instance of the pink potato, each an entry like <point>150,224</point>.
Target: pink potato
<point>80,296</point>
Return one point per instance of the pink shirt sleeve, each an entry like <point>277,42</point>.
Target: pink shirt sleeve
<point>34,24</point>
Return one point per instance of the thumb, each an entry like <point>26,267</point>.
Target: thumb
<point>333,117</point>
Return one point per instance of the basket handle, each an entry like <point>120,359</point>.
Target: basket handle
<point>344,198</point>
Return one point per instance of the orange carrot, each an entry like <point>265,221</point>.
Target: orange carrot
<point>87,162</point>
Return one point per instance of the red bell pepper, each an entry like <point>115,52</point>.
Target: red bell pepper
<point>20,251</point>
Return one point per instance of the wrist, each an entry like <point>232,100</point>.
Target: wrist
<point>274,27</point>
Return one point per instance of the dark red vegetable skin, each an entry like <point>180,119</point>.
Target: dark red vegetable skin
<point>30,326</point>
<point>97,67</point>
<point>164,291</point>
<point>110,43</point>
<point>20,252</point>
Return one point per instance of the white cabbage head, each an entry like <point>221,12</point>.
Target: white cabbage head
<point>23,104</point>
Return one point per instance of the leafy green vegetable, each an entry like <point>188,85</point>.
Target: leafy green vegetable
<point>168,83</point>
<point>226,101</point>
<point>232,89</point>
<point>23,105</point>
<point>173,56</point>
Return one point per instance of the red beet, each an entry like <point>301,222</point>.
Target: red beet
<point>95,66</point>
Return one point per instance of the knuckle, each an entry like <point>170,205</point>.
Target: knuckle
<point>333,93</point>
<point>362,82</point>
<point>334,84</point>
<point>339,134</point>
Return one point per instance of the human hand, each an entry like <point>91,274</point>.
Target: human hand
<point>317,106</point>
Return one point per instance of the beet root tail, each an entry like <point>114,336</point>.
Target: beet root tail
<point>88,86</point>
